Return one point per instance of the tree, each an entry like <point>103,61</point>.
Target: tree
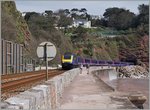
<point>88,16</point>
<point>38,20</point>
<point>143,18</point>
<point>74,10</point>
<point>95,22</point>
<point>64,19</point>
<point>29,14</point>
<point>143,9</point>
<point>49,12</point>
<point>79,34</point>
<point>79,13</point>
<point>67,12</point>
<point>80,30</point>
<point>103,22</point>
<point>83,10</point>
<point>118,18</point>
<point>90,48</point>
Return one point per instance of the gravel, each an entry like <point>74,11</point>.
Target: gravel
<point>9,94</point>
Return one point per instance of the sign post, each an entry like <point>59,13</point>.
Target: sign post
<point>46,51</point>
<point>46,60</point>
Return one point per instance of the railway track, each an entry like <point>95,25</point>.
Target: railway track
<point>14,81</point>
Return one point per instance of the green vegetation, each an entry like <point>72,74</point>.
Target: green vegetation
<point>122,19</point>
<point>118,18</point>
<point>120,34</point>
<point>42,29</point>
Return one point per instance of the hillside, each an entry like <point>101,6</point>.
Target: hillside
<point>16,29</point>
<point>126,46</point>
<point>138,51</point>
<point>35,28</point>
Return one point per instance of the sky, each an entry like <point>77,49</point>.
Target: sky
<point>93,7</point>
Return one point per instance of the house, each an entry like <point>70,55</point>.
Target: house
<point>81,22</point>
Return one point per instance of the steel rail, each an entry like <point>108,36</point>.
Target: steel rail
<point>14,84</point>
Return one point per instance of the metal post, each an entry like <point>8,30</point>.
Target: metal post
<point>46,61</point>
<point>46,69</point>
<point>1,67</point>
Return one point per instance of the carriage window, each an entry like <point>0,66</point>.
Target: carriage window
<point>87,61</point>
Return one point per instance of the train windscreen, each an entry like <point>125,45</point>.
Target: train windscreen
<point>67,56</point>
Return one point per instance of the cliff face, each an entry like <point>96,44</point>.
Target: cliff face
<point>139,54</point>
<point>14,27</point>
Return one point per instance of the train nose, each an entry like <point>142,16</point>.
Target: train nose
<point>66,61</point>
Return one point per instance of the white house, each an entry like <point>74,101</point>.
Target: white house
<point>81,22</point>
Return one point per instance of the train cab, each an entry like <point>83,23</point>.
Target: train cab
<point>66,61</point>
<point>69,61</point>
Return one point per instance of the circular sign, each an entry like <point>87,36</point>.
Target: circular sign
<point>49,48</point>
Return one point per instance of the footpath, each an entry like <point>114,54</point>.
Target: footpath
<point>88,92</point>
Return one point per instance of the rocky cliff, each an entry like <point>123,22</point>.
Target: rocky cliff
<point>139,53</point>
<point>14,27</point>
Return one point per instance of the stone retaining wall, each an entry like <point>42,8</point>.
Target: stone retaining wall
<point>46,96</point>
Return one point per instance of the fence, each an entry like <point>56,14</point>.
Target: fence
<point>29,64</point>
<point>12,57</point>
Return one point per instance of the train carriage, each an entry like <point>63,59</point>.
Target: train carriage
<point>70,61</point>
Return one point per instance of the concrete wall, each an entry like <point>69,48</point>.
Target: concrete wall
<point>46,96</point>
<point>106,74</point>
